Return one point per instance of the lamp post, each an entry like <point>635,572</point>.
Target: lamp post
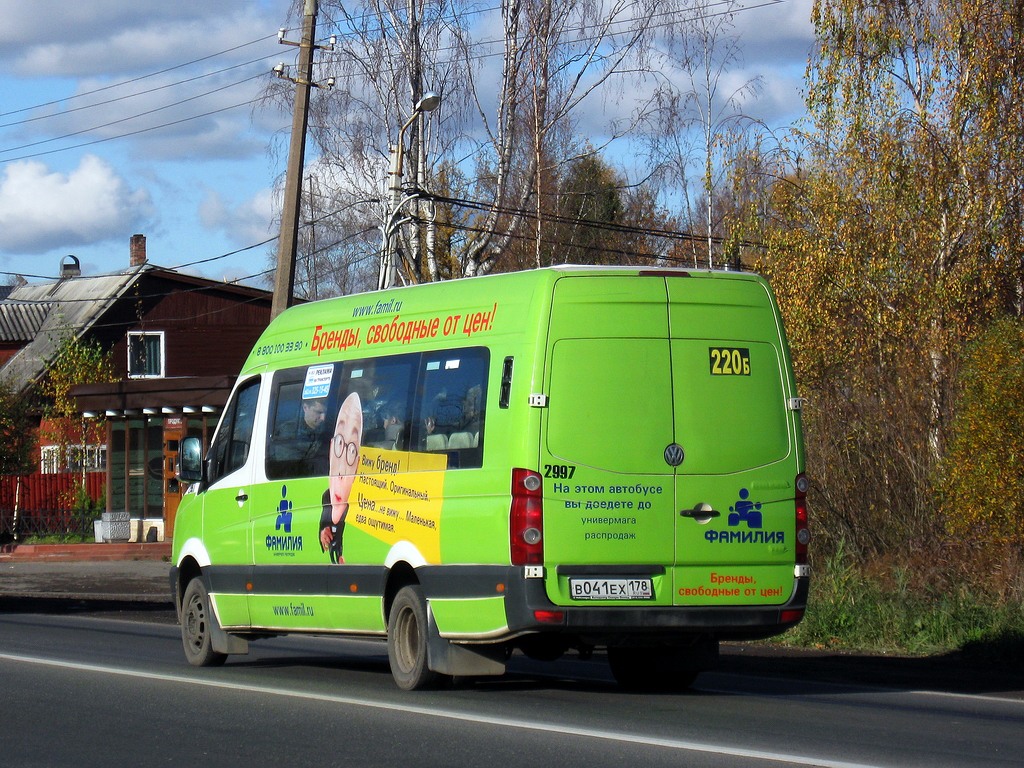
<point>388,256</point>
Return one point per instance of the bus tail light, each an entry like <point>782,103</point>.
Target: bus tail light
<point>526,529</point>
<point>549,617</point>
<point>803,532</point>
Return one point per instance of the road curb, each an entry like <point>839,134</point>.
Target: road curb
<point>85,552</point>
<point>89,597</point>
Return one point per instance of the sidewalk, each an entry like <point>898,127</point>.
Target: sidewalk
<point>96,572</point>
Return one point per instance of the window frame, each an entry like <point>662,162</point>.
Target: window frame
<point>56,459</point>
<point>162,362</point>
<point>285,410</point>
<point>223,459</point>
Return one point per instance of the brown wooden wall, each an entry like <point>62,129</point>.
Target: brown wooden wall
<point>207,331</point>
<point>7,351</point>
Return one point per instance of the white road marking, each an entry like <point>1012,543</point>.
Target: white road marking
<point>448,714</point>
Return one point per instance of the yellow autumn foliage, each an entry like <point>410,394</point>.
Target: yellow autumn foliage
<point>983,478</point>
<point>892,244</point>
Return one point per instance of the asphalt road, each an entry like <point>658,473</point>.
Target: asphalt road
<point>91,690</point>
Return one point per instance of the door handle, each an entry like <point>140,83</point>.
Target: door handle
<point>701,513</point>
<point>242,497</point>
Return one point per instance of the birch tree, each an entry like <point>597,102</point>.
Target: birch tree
<point>512,79</point>
<point>698,124</point>
<point>901,243</point>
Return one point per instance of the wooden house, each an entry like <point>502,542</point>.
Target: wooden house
<point>177,342</point>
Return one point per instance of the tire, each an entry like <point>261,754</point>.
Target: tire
<point>407,641</point>
<point>197,624</point>
<point>661,670</point>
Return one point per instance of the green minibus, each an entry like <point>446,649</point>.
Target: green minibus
<point>571,459</point>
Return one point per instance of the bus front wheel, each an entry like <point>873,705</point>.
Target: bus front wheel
<point>197,623</point>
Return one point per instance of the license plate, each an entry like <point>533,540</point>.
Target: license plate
<point>611,589</point>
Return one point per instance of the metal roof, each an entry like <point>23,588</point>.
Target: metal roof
<point>21,322</point>
<point>71,307</point>
<point>45,314</point>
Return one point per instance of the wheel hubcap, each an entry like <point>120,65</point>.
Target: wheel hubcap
<point>409,639</point>
<point>194,622</point>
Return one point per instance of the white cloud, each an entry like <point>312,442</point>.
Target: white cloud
<point>108,36</point>
<point>778,33</point>
<point>173,80</point>
<point>42,209</point>
<point>206,174</point>
<point>249,222</point>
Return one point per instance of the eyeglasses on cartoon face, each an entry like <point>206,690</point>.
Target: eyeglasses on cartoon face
<point>343,449</point>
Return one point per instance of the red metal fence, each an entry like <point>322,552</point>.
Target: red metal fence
<point>47,503</point>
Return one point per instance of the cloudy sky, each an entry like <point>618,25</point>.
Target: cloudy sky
<point>141,116</point>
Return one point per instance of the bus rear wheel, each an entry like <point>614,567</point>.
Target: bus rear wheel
<point>407,640</point>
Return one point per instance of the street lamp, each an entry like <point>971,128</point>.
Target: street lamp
<point>388,256</point>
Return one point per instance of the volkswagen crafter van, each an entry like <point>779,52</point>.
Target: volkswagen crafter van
<point>564,459</point>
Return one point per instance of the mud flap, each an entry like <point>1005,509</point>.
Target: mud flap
<point>227,643</point>
<point>224,642</point>
<point>448,658</point>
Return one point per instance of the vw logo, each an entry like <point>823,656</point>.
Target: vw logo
<point>674,455</point>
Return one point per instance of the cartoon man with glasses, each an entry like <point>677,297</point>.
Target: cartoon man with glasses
<point>344,461</point>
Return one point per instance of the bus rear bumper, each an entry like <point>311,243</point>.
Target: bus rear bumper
<point>529,610</point>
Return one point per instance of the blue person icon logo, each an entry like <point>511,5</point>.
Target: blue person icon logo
<point>745,511</point>
<point>284,512</point>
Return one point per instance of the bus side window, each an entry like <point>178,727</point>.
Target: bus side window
<point>231,447</point>
<point>385,387</point>
<point>452,407</point>
<point>297,436</point>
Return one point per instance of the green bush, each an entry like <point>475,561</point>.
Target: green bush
<point>889,613</point>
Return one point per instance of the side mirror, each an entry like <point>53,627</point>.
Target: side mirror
<point>190,460</point>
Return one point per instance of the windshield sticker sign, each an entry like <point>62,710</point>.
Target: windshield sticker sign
<point>318,381</point>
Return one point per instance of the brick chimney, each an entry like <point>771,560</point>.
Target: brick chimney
<point>137,250</point>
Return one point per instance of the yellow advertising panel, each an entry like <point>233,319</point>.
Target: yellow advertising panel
<point>397,497</point>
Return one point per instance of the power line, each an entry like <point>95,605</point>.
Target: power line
<point>132,133</point>
<point>175,268</point>
<point>354,34</point>
<point>139,78</point>
<point>628,229</point>
<point>134,117</point>
<point>132,95</point>
<point>309,222</point>
<point>671,17</point>
<point>384,29</point>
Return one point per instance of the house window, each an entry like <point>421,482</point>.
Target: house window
<point>50,462</point>
<point>87,458</point>
<point>73,458</point>
<point>146,355</point>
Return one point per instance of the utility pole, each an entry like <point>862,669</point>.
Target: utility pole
<point>284,278</point>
